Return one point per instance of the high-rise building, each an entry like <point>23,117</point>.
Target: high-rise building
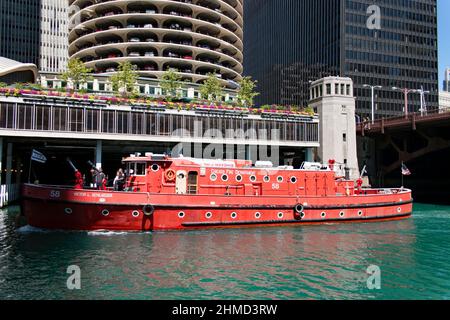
<point>196,39</point>
<point>54,31</point>
<point>389,43</point>
<point>447,80</point>
<point>19,30</point>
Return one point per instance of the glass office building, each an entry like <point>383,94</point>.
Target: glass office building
<point>20,30</point>
<point>289,43</point>
<point>447,80</point>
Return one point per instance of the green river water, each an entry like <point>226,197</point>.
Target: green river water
<point>311,262</point>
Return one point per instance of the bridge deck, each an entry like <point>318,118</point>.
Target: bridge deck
<point>409,122</point>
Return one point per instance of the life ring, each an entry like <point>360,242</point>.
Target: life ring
<point>148,210</point>
<point>299,208</point>
<point>170,175</point>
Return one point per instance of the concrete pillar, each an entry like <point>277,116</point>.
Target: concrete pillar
<point>9,158</point>
<point>18,171</point>
<point>1,160</point>
<point>191,93</point>
<point>95,85</point>
<point>309,155</point>
<point>98,154</point>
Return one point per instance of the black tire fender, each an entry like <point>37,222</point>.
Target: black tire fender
<point>148,210</point>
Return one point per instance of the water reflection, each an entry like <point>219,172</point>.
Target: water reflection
<point>275,263</point>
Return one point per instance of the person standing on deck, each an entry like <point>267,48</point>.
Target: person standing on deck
<point>100,179</point>
<point>119,181</point>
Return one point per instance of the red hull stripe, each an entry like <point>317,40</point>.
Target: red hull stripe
<point>277,222</point>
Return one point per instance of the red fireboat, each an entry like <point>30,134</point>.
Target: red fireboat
<point>179,193</point>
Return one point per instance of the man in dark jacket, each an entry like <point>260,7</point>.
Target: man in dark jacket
<point>100,179</point>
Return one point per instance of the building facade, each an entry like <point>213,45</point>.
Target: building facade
<point>54,36</point>
<point>444,100</point>
<point>101,84</point>
<point>196,39</point>
<point>392,44</point>
<point>20,30</point>
<point>447,80</point>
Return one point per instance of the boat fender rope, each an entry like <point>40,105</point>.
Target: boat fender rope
<point>170,175</point>
<point>148,210</point>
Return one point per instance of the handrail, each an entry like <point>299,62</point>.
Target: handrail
<point>412,117</point>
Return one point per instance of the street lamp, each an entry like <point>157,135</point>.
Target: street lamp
<point>423,105</point>
<point>405,91</point>
<point>373,99</point>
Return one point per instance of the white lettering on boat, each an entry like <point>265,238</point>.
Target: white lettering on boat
<point>231,172</point>
<point>55,194</point>
<point>102,195</point>
<point>92,195</point>
<point>80,194</point>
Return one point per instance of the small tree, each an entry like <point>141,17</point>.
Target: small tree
<point>246,92</point>
<point>124,80</point>
<point>170,84</point>
<point>77,73</point>
<point>211,89</point>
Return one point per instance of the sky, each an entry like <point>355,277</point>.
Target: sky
<point>444,37</point>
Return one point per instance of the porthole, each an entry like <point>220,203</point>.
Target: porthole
<point>360,213</point>
<point>280,215</point>
<point>280,179</point>
<point>342,214</point>
<point>323,215</point>
<point>68,210</point>
<point>233,215</point>
<point>253,178</point>
<point>208,215</point>
<point>181,214</point>
<point>399,210</point>
<point>266,179</point>
<point>258,215</point>
<point>213,177</point>
<point>224,178</point>
<point>155,168</point>
<point>135,214</point>
<point>293,179</point>
<point>238,178</point>
<point>105,213</point>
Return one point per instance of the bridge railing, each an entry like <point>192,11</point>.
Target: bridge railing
<point>8,194</point>
<point>413,118</point>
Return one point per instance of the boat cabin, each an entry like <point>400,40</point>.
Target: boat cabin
<point>161,174</point>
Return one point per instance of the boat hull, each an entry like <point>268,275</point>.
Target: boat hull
<point>67,209</point>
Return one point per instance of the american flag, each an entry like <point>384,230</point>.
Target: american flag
<point>405,170</point>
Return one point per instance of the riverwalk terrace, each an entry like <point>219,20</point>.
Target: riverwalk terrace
<point>60,112</point>
<point>152,103</point>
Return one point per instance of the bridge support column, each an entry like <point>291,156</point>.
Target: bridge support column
<point>9,159</point>
<point>1,160</point>
<point>98,154</point>
<point>309,155</point>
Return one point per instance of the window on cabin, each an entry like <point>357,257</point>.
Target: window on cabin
<point>136,169</point>
<point>140,169</point>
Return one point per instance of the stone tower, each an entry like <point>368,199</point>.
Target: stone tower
<point>332,98</point>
